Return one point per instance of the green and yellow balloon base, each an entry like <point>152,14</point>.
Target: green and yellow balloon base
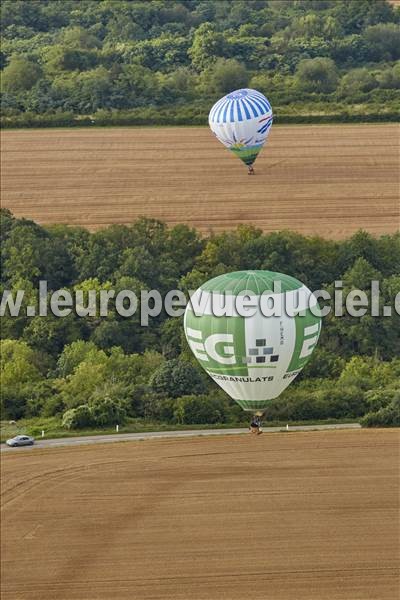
<point>252,406</point>
<point>246,154</point>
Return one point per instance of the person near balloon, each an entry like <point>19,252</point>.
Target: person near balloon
<point>255,425</point>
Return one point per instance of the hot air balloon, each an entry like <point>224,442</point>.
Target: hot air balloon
<point>242,121</point>
<point>254,357</point>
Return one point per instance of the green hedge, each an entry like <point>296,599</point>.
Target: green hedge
<point>189,116</point>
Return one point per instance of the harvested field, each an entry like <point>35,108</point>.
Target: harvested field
<point>298,516</point>
<point>326,180</point>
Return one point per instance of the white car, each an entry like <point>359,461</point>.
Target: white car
<point>20,440</point>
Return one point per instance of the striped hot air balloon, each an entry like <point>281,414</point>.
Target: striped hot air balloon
<point>242,121</point>
<point>254,357</point>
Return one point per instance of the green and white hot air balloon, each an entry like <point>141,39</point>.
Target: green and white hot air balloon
<point>253,332</point>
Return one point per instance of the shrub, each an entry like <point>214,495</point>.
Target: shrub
<point>77,418</point>
<point>177,378</point>
<point>200,410</point>
<point>101,413</point>
<point>384,41</point>
<point>323,400</point>
<point>357,81</point>
<point>20,74</point>
<point>388,416</point>
<point>53,406</point>
<point>380,398</point>
<point>159,409</point>
<point>317,75</point>
<point>107,412</point>
<point>227,75</point>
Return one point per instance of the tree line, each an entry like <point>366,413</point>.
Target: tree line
<point>98,371</point>
<point>160,61</point>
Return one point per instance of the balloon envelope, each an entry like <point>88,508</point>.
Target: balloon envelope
<point>253,358</point>
<point>242,121</point>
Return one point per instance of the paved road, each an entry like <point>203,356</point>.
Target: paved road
<point>126,437</point>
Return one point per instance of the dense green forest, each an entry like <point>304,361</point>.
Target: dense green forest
<point>70,62</point>
<point>94,371</point>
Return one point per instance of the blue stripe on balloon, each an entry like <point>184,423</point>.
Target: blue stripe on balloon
<point>239,111</point>
<point>218,116</point>
<point>253,109</point>
<point>214,111</point>
<point>259,106</point>
<point>258,95</point>
<point>264,128</point>
<point>246,110</point>
<point>231,114</point>
<point>224,114</point>
<point>263,98</point>
<point>262,103</point>
<point>265,105</point>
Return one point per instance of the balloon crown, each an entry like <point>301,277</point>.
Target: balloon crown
<point>237,94</point>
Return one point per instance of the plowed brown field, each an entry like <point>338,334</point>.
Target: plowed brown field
<point>302,516</point>
<point>327,180</point>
